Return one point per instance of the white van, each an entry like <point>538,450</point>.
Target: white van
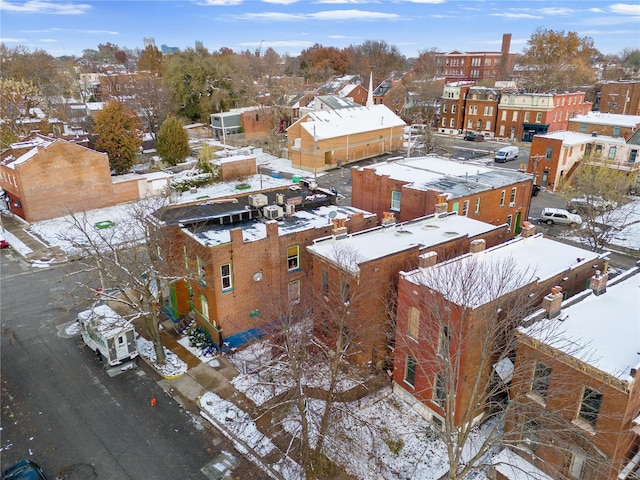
<point>506,154</point>
<point>108,334</point>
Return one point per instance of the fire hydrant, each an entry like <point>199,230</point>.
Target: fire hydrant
<point>153,402</point>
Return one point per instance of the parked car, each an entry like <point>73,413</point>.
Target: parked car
<point>24,470</point>
<point>474,137</point>
<point>535,190</point>
<point>560,216</point>
<point>584,204</point>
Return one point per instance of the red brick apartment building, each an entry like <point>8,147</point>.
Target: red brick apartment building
<point>577,405</point>
<point>610,124</point>
<point>410,189</point>
<point>476,66</point>
<point>523,115</point>
<point>452,107</point>
<point>366,265</point>
<point>622,97</point>
<point>481,110</point>
<point>447,312</point>
<point>240,257</point>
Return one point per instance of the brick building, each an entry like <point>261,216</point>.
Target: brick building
<point>452,310</point>
<point>44,178</point>
<point>523,115</point>
<point>326,139</point>
<point>452,107</point>
<point>610,124</point>
<point>240,256</point>
<point>621,97</point>
<point>410,189</point>
<point>555,156</point>
<point>578,401</point>
<point>476,66</point>
<point>481,110</point>
<point>366,264</point>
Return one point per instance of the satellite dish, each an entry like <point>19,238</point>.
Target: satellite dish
<point>333,214</point>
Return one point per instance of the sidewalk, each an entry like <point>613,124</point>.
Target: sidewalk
<point>31,248</point>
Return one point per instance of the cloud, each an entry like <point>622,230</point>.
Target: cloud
<point>12,40</point>
<point>342,37</point>
<point>596,10</point>
<point>281,2</point>
<point>556,11</point>
<point>625,8</point>
<point>48,40</point>
<point>272,16</point>
<point>352,15</point>
<point>45,7</point>
<point>342,2</point>
<point>218,3</point>
<point>73,30</point>
<point>433,2</point>
<point>514,15</point>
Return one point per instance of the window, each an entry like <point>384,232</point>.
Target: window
<point>616,131</point>
<point>294,291</point>
<point>504,115</point>
<point>583,127</point>
<point>444,341</point>
<point>549,153</point>
<point>226,277</point>
<point>396,196</point>
<point>514,117</point>
<point>612,153</point>
<point>185,257</point>
<point>293,258</point>
<point>555,116</point>
<point>345,288</point>
<point>453,109</point>
<point>452,124</point>
<point>204,307</point>
<point>413,326</point>
<point>590,406</point>
<point>444,108</point>
<point>200,270</point>
<point>465,207</point>
<point>488,110</point>
<point>501,131</point>
<point>487,126</point>
<point>509,222</point>
<point>324,279</point>
<point>633,154</point>
<point>502,198</point>
<point>576,465</point>
<point>470,124</point>
<point>444,122</point>
<point>439,392</point>
<point>477,205</point>
<point>410,370</point>
<point>540,383</point>
<point>526,117</point>
<point>530,433</point>
<point>512,198</point>
<point>538,117</point>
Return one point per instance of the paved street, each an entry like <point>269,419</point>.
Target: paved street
<point>61,407</point>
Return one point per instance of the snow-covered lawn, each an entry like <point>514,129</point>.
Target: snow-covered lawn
<point>173,367</point>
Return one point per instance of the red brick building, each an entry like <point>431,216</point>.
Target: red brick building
<point>241,256</point>
<point>622,97</point>
<point>410,189</point>
<point>610,124</point>
<point>481,110</point>
<point>460,66</point>
<point>452,107</point>
<point>578,399</point>
<point>366,264</point>
<point>446,318</point>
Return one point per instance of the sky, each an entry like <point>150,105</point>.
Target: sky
<point>67,27</point>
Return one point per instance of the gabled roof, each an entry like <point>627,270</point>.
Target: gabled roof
<point>348,121</point>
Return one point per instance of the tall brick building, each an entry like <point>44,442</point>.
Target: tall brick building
<point>410,188</point>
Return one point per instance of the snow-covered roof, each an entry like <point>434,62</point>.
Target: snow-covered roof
<point>515,467</point>
<point>95,106</point>
<point>347,89</point>
<point>325,124</point>
<point>257,230</point>
<point>600,330</point>
<point>535,258</point>
<point>105,321</point>
<point>448,176</point>
<point>600,118</point>
<point>235,158</point>
<point>576,138</point>
<point>354,249</point>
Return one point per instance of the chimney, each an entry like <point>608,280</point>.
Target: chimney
<point>477,245</point>
<point>553,302</point>
<point>428,259</point>
<point>528,230</point>
<point>598,282</point>
<point>388,218</point>
<point>506,44</point>
<point>339,227</point>
<point>442,206</point>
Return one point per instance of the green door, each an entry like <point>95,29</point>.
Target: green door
<point>517,226</point>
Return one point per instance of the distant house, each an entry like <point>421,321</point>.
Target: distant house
<point>575,379</point>
<point>245,255</point>
<point>446,312</point>
<point>250,121</point>
<point>197,130</point>
<point>366,264</point>
<point>330,138</point>
<point>44,178</point>
<point>410,189</point>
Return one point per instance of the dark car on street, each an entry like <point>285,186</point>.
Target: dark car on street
<point>24,470</point>
<point>474,137</point>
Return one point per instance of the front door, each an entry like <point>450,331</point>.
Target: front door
<point>122,349</point>
<point>543,180</point>
<point>518,227</point>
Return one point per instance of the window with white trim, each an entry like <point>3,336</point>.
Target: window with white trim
<point>590,406</point>
<point>439,391</point>
<point>396,197</point>
<point>293,257</point>
<point>465,207</point>
<point>512,199</point>
<point>477,205</point>
<point>410,370</point>
<point>204,307</point>
<point>226,276</point>
<point>200,270</point>
<point>502,195</point>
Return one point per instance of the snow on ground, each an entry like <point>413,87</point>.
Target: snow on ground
<point>173,367</point>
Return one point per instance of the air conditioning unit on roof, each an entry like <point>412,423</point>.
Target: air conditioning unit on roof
<point>258,200</point>
<point>273,212</point>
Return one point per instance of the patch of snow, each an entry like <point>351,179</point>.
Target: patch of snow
<point>173,366</point>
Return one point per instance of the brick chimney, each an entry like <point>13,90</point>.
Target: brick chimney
<point>477,245</point>
<point>388,218</point>
<point>598,282</point>
<point>428,259</point>
<point>442,206</point>
<point>339,227</point>
<point>553,302</point>
<point>528,230</point>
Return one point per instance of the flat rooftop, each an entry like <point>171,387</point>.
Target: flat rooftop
<point>577,138</point>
